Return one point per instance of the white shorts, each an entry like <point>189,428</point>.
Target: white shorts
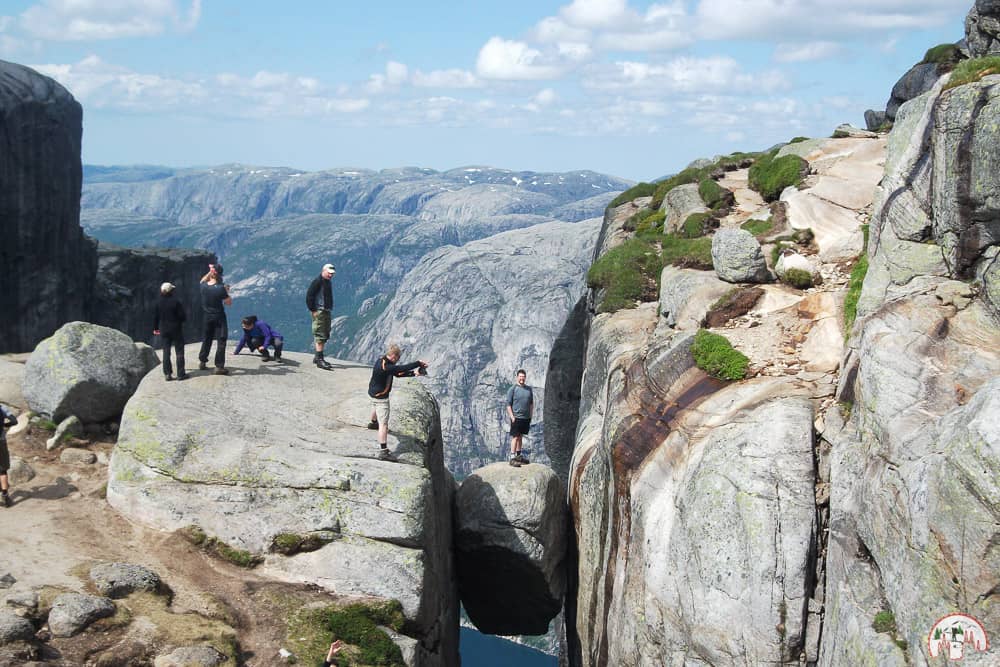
<point>381,408</point>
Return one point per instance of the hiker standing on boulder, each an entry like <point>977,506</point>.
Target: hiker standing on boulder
<point>214,298</point>
<point>520,406</point>
<point>168,324</point>
<point>319,300</point>
<point>258,335</point>
<point>385,369</point>
<point>7,419</point>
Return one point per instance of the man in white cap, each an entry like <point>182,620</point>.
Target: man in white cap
<point>168,324</point>
<point>319,301</point>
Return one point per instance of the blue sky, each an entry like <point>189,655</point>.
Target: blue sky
<point>633,89</point>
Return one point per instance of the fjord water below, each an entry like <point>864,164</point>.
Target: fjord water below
<point>479,650</point>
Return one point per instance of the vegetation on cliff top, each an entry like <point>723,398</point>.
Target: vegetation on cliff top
<point>715,355</point>
<point>627,273</point>
<point>970,71</point>
<point>311,630</point>
<point>769,174</point>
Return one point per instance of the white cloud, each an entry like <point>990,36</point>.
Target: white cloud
<point>77,20</point>
<point>545,97</point>
<point>445,78</point>
<point>795,53</point>
<point>735,19</point>
<point>396,73</point>
<point>682,75</point>
<point>99,84</point>
<point>598,13</point>
<point>510,60</point>
<point>552,30</point>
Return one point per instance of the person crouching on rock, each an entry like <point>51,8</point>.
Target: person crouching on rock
<point>214,298</point>
<point>385,369</point>
<point>168,324</point>
<point>7,419</point>
<point>258,335</point>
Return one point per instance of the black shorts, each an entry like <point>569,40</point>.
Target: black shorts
<point>520,426</point>
<point>4,456</point>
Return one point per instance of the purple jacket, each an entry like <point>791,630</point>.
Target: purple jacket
<point>260,330</point>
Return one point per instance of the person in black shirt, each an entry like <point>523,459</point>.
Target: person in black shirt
<point>384,370</point>
<point>7,419</point>
<point>168,324</point>
<point>319,301</point>
<point>214,298</point>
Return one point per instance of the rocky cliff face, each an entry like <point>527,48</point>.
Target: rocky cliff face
<point>700,507</point>
<point>49,266</point>
<point>915,472</point>
<point>304,467</point>
<point>52,272</point>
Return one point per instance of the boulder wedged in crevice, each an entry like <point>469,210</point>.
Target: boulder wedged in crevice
<point>510,547</point>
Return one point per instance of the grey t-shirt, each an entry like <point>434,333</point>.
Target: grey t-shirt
<point>520,399</point>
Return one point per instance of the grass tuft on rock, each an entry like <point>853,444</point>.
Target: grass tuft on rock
<point>857,279</point>
<point>715,355</point>
<point>310,632</point>
<point>884,621</point>
<point>758,227</point>
<point>797,278</point>
<point>713,194</point>
<point>687,253</point>
<point>634,192</point>
<point>734,303</point>
<point>695,225</point>
<point>199,538</point>
<point>770,175</point>
<point>628,273</point>
<point>970,71</point>
<point>942,54</point>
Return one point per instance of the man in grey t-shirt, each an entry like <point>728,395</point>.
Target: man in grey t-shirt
<point>520,405</point>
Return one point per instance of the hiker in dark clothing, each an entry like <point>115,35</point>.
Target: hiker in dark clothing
<point>168,324</point>
<point>214,298</point>
<point>384,370</point>
<point>258,336</point>
<point>7,420</point>
<point>319,301</point>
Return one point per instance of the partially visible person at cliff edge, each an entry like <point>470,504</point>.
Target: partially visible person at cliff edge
<point>258,335</point>
<point>168,324</point>
<point>7,419</point>
<point>319,300</point>
<point>520,406</point>
<point>384,370</point>
<point>214,298</point>
<point>331,655</point>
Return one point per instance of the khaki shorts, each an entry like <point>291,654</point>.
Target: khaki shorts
<point>321,326</point>
<point>381,408</point>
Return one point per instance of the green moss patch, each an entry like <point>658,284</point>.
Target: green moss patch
<point>652,224</point>
<point>196,536</point>
<point>714,195</point>
<point>289,544</point>
<point>970,71</point>
<point>798,140</point>
<point>646,218</point>
<point>758,227</point>
<point>687,253</point>
<point>942,54</point>
<point>715,355</point>
<point>634,192</point>
<point>797,278</point>
<point>769,175</point>
<point>628,274</point>
<point>857,279</point>
<point>310,632</point>
<point>696,224</point>
<point>884,621</point>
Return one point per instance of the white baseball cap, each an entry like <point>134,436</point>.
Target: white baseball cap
<point>329,267</point>
<point>167,287</point>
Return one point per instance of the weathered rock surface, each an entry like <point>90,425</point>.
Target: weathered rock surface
<point>309,467</point>
<point>917,81</point>
<point>737,257</point>
<point>686,295</point>
<point>190,656</point>
<point>510,526</point>
<point>69,427</point>
<point>518,288</point>
<point>40,129</point>
<point>14,628</point>
<point>793,260</point>
<point>73,612</point>
<point>982,29</point>
<point>20,471</point>
<point>679,203</point>
<point>11,377</point>
<point>77,456</point>
<point>117,580</point>
<point>85,370</point>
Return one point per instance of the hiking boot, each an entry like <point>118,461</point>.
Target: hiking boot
<point>6,500</point>
<point>373,425</point>
<point>514,462</point>
<point>220,371</point>
<point>322,363</point>
<point>264,356</point>
<point>168,378</point>
<point>522,459</point>
<point>202,365</point>
<point>385,455</point>
<point>182,376</point>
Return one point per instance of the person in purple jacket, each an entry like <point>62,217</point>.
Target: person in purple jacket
<point>258,336</point>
